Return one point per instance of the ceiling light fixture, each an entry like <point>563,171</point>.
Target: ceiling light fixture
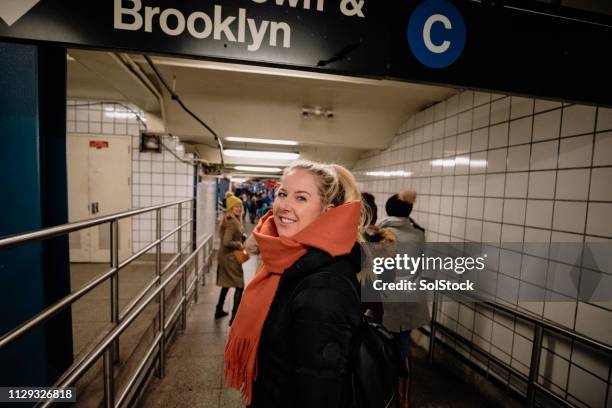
<point>258,169</point>
<point>317,112</point>
<point>262,141</point>
<point>259,154</point>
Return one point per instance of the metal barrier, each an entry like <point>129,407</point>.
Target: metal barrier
<point>540,326</point>
<point>108,346</point>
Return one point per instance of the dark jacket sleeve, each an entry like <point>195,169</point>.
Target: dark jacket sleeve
<point>326,313</point>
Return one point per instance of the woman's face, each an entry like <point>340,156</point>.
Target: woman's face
<point>297,204</point>
<point>237,210</point>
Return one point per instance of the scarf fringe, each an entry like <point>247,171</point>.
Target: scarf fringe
<point>238,375</point>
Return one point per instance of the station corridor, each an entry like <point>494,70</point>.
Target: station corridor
<point>134,135</point>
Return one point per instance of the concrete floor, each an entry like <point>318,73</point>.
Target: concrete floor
<point>194,371</point>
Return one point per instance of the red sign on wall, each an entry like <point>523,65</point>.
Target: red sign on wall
<point>98,144</point>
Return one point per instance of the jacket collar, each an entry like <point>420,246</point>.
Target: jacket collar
<point>315,259</point>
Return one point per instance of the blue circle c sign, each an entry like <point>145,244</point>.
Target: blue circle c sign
<point>436,33</point>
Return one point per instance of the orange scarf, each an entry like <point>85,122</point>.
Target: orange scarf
<point>334,232</point>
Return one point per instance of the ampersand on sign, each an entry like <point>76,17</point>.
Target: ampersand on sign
<point>355,8</point>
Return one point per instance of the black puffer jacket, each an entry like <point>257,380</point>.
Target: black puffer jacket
<point>303,357</point>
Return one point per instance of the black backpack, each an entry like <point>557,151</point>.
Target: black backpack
<point>376,364</point>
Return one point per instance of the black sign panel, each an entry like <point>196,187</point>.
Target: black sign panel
<point>335,35</point>
<point>510,50</point>
<point>453,42</point>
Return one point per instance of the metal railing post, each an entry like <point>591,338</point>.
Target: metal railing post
<point>184,271</point>
<point>205,263</point>
<point>534,367</point>
<point>161,312</point>
<point>196,263</point>
<point>432,326</point>
<point>114,283</point>
<point>109,379</point>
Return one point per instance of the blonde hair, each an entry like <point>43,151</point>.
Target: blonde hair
<point>335,183</point>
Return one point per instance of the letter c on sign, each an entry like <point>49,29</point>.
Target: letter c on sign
<point>436,33</point>
<point>436,18</point>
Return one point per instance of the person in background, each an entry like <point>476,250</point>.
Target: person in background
<point>260,201</point>
<point>370,202</point>
<point>253,208</point>
<point>269,198</point>
<point>290,345</point>
<point>227,194</point>
<point>263,210</point>
<point>245,206</point>
<point>371,234</point>
<point>229,270</point>
<point>402,317</point>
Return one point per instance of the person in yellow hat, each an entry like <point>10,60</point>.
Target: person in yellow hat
<point>229,270</point>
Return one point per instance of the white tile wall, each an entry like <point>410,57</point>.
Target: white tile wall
<point>538,172</point>
<point>156,178</point>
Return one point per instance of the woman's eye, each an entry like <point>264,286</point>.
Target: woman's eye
<point>301,198</point>
<point>280,194</point>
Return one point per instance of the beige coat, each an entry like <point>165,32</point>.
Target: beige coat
<point>229,271</point>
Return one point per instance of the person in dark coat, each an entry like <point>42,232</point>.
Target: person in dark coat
<point>371,235</point>
<point>290,345</point>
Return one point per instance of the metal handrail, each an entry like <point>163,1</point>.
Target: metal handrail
<point>540,325</point>
<point>88,287</point>
<point>74,226</point>
<point>108,346</point>
<point>119,329</point>
<point>535,319</point>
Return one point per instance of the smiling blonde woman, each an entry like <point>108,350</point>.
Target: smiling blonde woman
<point>289,345</point>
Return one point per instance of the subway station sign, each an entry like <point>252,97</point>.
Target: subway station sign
<point>458,43</point>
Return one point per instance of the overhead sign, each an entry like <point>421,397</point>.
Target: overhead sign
<point>462,43</point>
<point>337,36</point>
<point>436,33</point>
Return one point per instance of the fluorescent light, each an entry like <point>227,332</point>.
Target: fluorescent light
<point>263,141</point>
<point>459,161</point>
<point>478,163</point>
<point>120,115</point>
<point>258,154</point>
<point>394,173</point>
<point>443,163</point>
<point>259,169</point>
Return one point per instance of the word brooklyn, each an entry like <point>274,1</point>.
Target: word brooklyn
<point>200,25</point>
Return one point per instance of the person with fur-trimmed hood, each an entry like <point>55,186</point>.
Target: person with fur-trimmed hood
<point>402,317</point>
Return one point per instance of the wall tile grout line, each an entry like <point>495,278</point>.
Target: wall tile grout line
<point>426,137</point>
